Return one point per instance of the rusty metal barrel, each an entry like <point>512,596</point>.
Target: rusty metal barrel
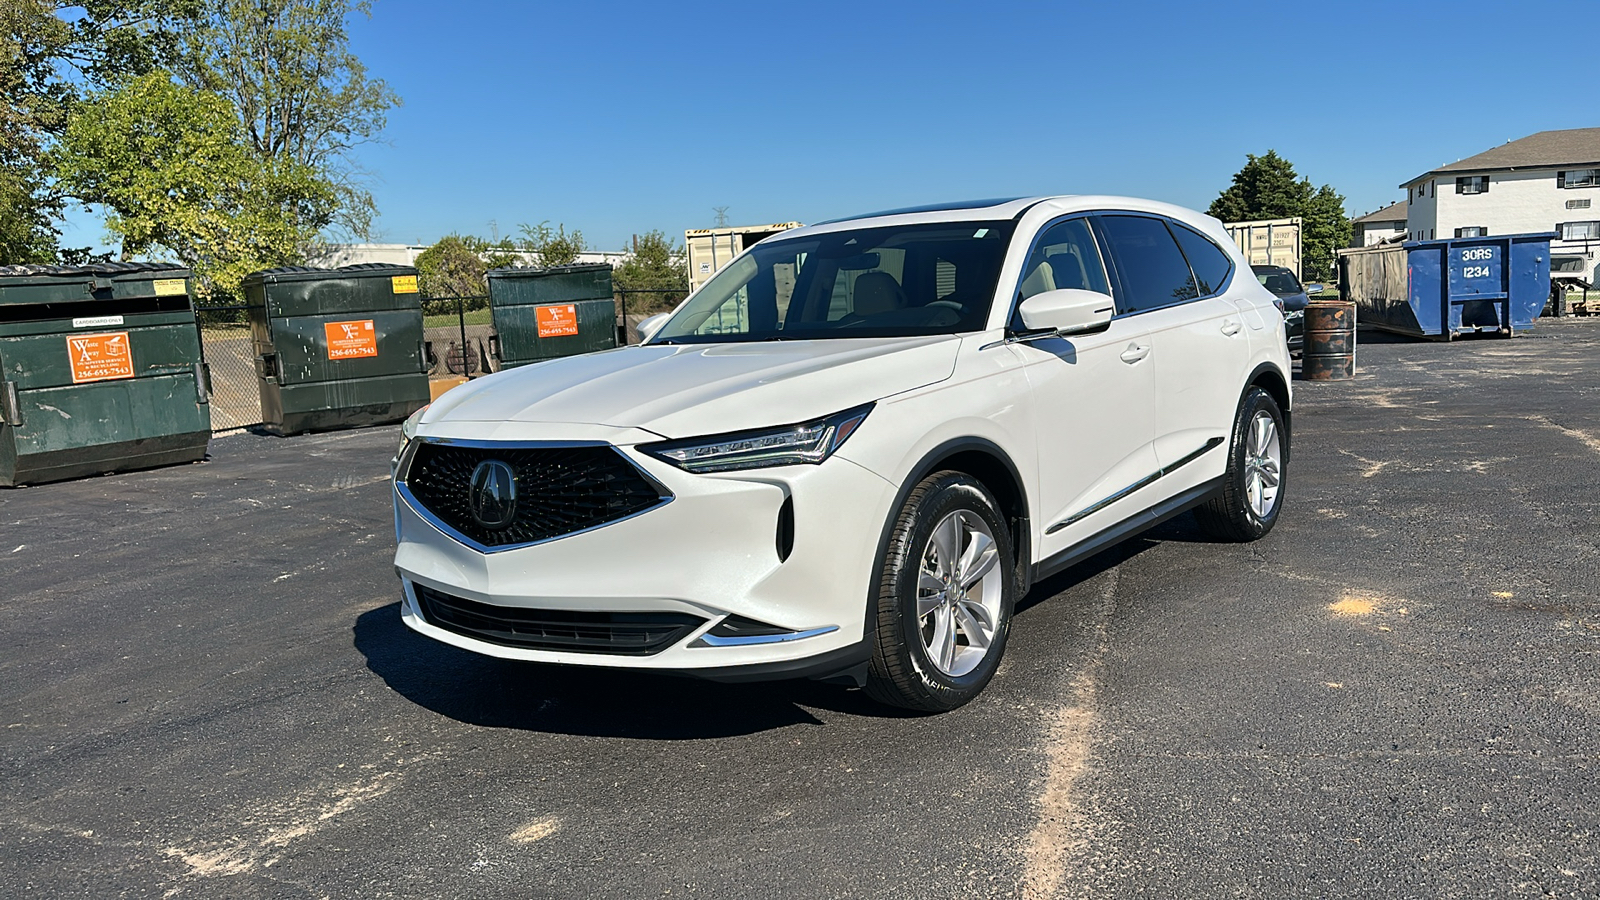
<point>1330,345</point>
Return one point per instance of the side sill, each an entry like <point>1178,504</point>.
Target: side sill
<point>1129,527</point>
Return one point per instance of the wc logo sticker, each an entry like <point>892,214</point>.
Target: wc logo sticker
<point>99,357</point>
<point>351,340</point>
<point>555,321</point>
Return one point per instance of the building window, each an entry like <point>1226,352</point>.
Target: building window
<point>1472,184</point>
<point>1579,231</point>
<point>1578,178</point>
<point>1472,231</point>
<point>1430,234</point>
<point>1580,203</point>
<point>1399,226</point>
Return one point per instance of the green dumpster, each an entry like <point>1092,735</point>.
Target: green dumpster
<point>337,348</point>
<point>100,371</point>
<point>545,313</point>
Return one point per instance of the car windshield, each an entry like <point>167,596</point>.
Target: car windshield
<point>894,281</point>
<point>1277,279</point>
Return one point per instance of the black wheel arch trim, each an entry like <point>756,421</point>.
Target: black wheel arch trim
<point>1022,538</point>
<point>1283,404</point>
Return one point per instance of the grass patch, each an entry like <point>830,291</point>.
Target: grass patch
<point>449,320</point>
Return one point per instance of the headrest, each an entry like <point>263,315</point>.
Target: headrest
<point>877,292</point>
<point>1068,270</point>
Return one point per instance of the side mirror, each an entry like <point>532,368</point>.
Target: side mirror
<point>649,327</point>
<point>1296,303</point>
<point>1315,288</point>
<point>1067,311</point>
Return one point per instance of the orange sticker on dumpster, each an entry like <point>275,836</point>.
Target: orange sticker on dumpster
<point>351,340</point>
<point>99,357</point>
<point>555,321</point>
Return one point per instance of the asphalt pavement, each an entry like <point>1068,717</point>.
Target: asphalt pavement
<point>206,691</point>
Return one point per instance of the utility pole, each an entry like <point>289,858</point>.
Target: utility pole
<point>722,215</point>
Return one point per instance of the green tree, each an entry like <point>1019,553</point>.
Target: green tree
<point>32,104</point>
<point>171,168</point>
<point>452,267</point>
<point>552,246</point>
<point>1268,188</point>
<point>656,265</point>
<point>303,100</point>
<point>46,62</point>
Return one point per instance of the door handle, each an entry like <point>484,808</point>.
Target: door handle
<point>1134,353</point>
<point>1230,327</point>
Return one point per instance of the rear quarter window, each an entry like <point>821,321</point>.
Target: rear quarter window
<point>1210,265</point>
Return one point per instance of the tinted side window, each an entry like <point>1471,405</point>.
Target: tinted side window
<point>1152,270</point>
<point>1065,257</point>
<point>1209,264</point>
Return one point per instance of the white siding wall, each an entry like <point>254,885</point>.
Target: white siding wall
<point>1421,212</point>
<point>1378,232</point>
<point>1519,202</point>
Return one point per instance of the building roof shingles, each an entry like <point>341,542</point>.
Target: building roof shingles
<point>1394,212</point>
<point>1573,146</point>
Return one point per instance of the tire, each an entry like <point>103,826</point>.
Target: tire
<point>933,662</point>
<point>1238,512</point>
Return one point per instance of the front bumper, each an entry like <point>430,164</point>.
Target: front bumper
<point>711,552</point>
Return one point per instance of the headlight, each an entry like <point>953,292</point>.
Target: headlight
<point>408,429</point>
<point>807,443</point>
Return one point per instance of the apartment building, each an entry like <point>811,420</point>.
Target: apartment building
<point>1548,181</point>
<point>1376,227</point>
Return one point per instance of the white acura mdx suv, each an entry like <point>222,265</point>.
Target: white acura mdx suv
<point>849,453</point>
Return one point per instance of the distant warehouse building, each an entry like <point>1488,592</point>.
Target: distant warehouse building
<point>1376,227</point>
<point>1544,182</point>
<point>335,255</point>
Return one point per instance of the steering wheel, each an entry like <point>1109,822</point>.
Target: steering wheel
<point>947,304</point>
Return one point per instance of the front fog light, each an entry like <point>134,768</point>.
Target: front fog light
<point>806,443</point>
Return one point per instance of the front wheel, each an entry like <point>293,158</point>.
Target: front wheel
<point>944,597</point>
<point>1252,492</point>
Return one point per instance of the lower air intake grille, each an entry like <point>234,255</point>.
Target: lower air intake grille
<point>621,633</point>
<point>559,490</point>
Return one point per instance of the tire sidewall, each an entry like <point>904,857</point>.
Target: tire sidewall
<point>950,493</point>
<point>1255,401</point>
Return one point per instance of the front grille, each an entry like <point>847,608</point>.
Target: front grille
<point>622,633</point>
<point>560,490</point>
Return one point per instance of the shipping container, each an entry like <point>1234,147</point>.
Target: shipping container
<point>1269,242</point>
<point>709,249</point>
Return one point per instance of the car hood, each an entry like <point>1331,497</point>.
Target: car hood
<point>685,390</point>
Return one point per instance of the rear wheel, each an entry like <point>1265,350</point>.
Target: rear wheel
<point>945,597</point>
<point>1247,506</point>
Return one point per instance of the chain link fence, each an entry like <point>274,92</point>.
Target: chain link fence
<point>230,356</point>
<point>457,330</point>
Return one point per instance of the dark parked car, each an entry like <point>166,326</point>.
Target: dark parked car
<point>1292,299</point>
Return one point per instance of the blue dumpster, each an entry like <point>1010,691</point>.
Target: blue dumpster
<point>1439,289</point>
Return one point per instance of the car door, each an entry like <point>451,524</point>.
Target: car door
<point>1199,341</point>
<point>1092,397</point>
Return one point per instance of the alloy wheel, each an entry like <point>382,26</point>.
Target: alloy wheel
<point>1263,464</point>
<point>960,588</point>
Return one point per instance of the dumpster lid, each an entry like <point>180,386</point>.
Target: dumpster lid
<point>313,273</point>
<point>127,270</point>
<point>535,272</point>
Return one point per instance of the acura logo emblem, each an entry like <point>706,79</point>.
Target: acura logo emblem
<point>493,494</point>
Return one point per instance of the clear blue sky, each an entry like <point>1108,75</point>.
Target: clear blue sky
<point>616,118</point>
